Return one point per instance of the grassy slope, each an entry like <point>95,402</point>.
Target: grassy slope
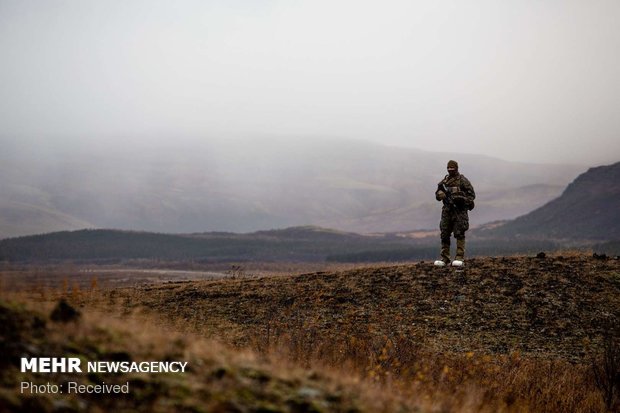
<point>218,380</point>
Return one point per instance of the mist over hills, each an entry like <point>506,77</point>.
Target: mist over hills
<point>586,210</point>
<point>584,214</point>
<point>241,186</point>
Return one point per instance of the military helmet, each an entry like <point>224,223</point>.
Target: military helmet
<point>453,164</point>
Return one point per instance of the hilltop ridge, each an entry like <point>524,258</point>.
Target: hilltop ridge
<point>543,306</point>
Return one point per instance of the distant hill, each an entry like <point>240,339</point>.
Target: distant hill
<point>307,244</point>
<point>21,218</point>
<point>245,186</point>
<point>587,210</point>
<point>293,244</point>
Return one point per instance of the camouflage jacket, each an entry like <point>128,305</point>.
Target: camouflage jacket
<point>461,191</point>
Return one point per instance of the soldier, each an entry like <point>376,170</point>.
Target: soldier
<point>457,195</point>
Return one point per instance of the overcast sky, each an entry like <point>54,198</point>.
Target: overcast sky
<point>517,79</point>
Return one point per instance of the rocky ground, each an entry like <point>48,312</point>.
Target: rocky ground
<point>553,306</point>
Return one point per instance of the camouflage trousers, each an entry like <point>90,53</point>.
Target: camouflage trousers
<point>453,222</point>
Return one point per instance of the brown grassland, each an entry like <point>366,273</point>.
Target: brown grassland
<point>515,334</point>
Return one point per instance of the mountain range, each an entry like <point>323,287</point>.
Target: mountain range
<point>241,186</point>
<point>585,213</point>
<point>587,210</point>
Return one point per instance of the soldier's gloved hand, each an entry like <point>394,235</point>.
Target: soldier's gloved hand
<point>441,195</point>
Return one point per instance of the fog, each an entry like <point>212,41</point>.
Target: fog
<point>520,80</point>
<point>238,185</point>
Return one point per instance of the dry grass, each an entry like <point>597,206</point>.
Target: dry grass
<point>218,379</point>
<point>400,338</point>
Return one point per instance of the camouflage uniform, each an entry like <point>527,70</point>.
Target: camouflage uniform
<point>454,218</point>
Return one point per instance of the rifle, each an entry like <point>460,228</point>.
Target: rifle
<point>448,200</point>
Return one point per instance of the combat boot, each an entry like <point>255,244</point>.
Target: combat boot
<point>445,255</point>
<point>460,249</point>
<point>445,252</point>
